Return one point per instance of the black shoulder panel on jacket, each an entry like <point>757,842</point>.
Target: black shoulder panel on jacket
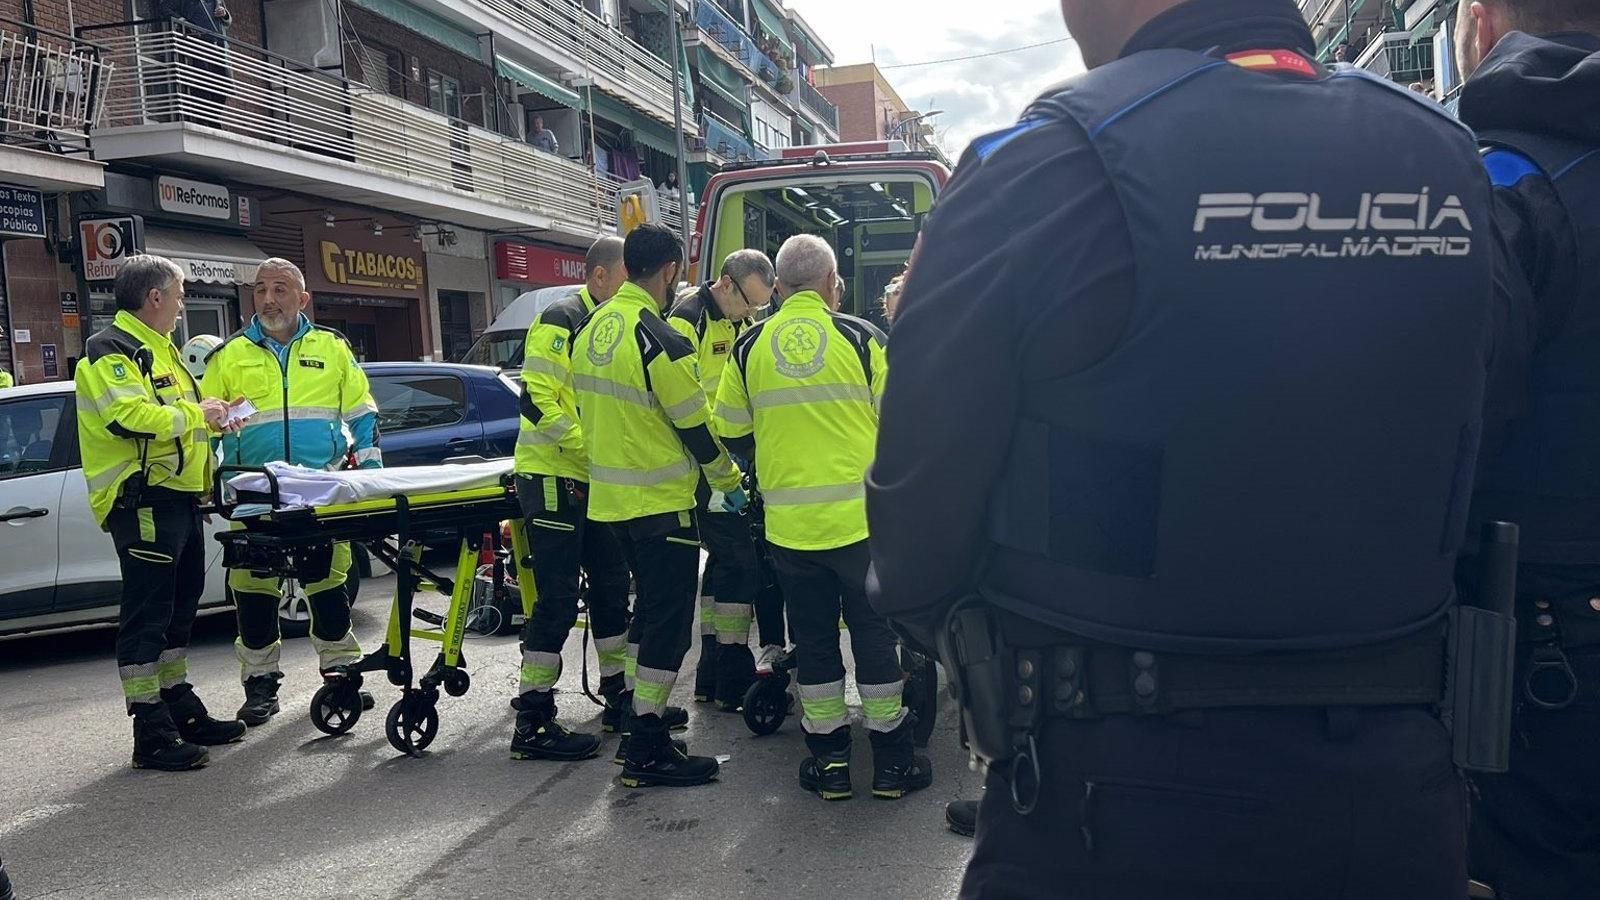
<point>656,336</point>
<point>744,344</point>
<point>112,341</point>
<point>568,313</point>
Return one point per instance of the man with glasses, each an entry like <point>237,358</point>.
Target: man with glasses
<point>711,318</point>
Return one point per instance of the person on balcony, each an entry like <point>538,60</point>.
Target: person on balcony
<point>543,138</point>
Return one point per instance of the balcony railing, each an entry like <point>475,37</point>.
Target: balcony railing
<point>173,75</point>
<point>607,51</point>
<point>52,88</point>
<point>1392,55</point>
<point>710,18</point>
<point>727,142</point>
<point>813,100</point>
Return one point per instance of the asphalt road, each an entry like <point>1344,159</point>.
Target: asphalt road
<point>290,813</point>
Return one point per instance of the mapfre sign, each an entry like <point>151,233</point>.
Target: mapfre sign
<point>528,264</point>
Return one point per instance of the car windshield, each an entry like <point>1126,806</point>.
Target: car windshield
<point>501,349</point>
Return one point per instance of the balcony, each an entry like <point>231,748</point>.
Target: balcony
<point>723,31</point>
<point>727,142</point>
<point>562,32</point>
<point>52,90</point>
<point>812,99</point>
<point>237,111</point>
<point>1393,56</point>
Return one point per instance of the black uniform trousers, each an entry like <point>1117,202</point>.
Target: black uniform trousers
<point>161,550</point>
<point>664,553</point>
<point>562,541</point>
<point>733,574</point>
<point>1536,828</point>
<point>1276,804</point>
<point>819,586</point>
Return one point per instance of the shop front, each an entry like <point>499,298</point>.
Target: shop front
<point>372,287</point>
<point>520,267</point>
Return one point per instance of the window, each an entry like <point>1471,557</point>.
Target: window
<point>28,430</point>
<point>407,402</point>
<point>444,94</point>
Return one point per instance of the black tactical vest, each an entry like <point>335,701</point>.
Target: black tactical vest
<point>1547,476</point>
<point>1279,452</point>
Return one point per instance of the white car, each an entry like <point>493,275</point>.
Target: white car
<point>57,568</point>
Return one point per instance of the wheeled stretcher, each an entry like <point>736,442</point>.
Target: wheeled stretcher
<point>291,536</point>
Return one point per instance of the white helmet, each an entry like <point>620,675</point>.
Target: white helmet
<point>196,350</point>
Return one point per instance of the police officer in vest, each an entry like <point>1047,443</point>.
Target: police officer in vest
<point>1533,96</point>
<point>144,434</point>
<point>312,408</point>
<point>553,488</point>
<point>711,319</point>
<point>647,435</point>
<point>1175,463</point>
<point>801,393</point>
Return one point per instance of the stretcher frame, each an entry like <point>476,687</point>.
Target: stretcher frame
<point>296,542</point>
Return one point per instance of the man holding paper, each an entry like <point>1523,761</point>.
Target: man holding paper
<point>297,395</point>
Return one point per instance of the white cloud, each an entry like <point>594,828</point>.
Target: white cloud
<point>976,95</point>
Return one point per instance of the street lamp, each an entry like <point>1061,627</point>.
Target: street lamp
<point>900,126</point>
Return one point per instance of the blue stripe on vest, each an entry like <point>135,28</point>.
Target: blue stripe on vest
<point>1508,167</point>
<point>985,146</point>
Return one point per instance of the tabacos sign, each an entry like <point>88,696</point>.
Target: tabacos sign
<point>194,198</point>
<point>364,269</point>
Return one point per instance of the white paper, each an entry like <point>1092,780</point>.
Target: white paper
<point>239,410</point>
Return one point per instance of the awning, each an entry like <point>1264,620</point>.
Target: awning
<point>645,130</point>
<point>206,256</point>
<point>447,33</point>
<point>722,79</point>
<point>539,84</point>
<point>772,23</point>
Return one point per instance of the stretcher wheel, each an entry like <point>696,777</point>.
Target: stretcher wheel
<point>767,703</point>
<point>412,724</point>
<point>336,707</point>
<point>456,682</point>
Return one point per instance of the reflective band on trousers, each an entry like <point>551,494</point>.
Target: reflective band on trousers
<point>828,493</point>
<point>648,478</point>
<point>732,622</point>
<point>336,653</point>
<point>823,707</point>
<point>627,393</point>
<point>172,666</point>
<point>812,393</point>
<point>882,704</point>
<point>651,689</point>
<point>253,662</point>
<point>140,683</point>
<point>540,670</point>
<point>612,652</point>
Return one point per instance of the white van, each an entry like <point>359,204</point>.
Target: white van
<point>501,344</point>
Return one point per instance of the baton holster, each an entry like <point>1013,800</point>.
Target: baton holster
<point>1481,658</point>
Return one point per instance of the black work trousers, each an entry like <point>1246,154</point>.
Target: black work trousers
<point>161,550</point>
<point>819,586</point>
<point>1309,804</point>
<point>664,553</point>
<point>563,544</point>
<point>733,576</point>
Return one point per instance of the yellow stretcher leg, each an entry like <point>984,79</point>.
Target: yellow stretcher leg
<point>455,624</point>
<point>521,550</point>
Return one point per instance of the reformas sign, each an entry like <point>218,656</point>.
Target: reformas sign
<point>193,198</point>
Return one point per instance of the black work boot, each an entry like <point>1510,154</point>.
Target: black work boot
<point>736,671</point>
<point>260,699</point>
<point>826,772</point>
<point>653,759</point>
<point>195,725</point>
<point>962,817</point>
<point>157,743</point>
<point>705,670</point>
<point>539,736</point>
<point>897,768</point>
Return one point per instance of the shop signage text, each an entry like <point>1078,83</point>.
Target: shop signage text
<point>355,263</point>
<point>194,198</point>
<point>107,242</point>
<point>21,212</point>
<point>536,265</point>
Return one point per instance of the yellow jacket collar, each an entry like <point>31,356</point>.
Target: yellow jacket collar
<point>131,323</point>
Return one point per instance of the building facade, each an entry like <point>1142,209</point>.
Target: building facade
<point>870,109</point>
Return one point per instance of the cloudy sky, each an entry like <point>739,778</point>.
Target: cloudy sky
<point>977,95</point>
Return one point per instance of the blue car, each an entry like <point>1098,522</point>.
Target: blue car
<point>430,413</point>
